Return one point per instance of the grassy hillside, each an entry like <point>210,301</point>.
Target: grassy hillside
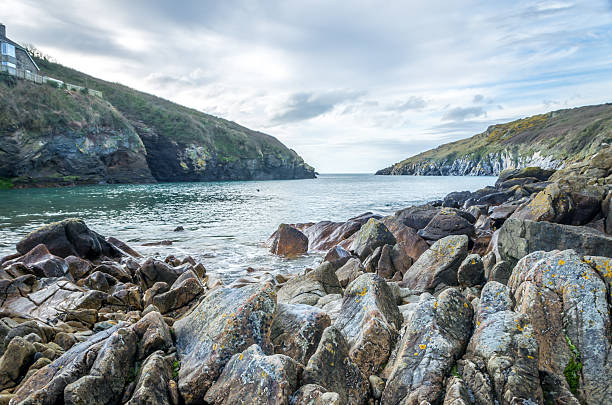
<point>558,136</point>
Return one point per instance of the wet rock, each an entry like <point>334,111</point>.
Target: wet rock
<point>471,271</point>
<point>252,377</point>
<point>502,352</point>
<point>226,322</point>
<point>153,271</point>
<point>324,235</point>
<point>108,375</point>
<point>565,300</point>
<point>308,288</point>
<point>70,237</point>
<point>153,380</point>
<point>370,321</point>
<point>124,247</point>
<point>14,363</point>
<point>337,256</point>
<point>331,367</point>
<point>437,266</point>
<point>448,222</point>
<point>297,329</point>
<point>433,337</point>
<point>349,272</point>
<point>184,290</point>
<point>517,238</point>
<point>371,235</point>
<point>289,242</point>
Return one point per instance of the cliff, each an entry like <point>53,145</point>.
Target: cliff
<point>53,136</point>
<point>547,140</point>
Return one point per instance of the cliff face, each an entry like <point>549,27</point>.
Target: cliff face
<point>547,140</point>
<point>54,137</point>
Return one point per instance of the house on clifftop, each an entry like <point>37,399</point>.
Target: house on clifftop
<point>13,56</point>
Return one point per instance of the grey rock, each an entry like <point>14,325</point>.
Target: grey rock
<point>471,271</point>
<point>308,288</point>
<point>154,377</point>
<point>349,272</point>
<point>371,235</point>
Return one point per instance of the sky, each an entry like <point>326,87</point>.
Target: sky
<point>352,86</point>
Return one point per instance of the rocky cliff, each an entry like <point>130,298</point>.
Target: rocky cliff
<point>53,136</point>
<point>547,140</point>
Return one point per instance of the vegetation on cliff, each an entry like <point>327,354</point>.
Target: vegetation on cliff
<point>547,140</point>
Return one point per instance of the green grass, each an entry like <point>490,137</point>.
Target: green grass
<point>6,184</point>
<point>573,368</point>
<point>176,366</point>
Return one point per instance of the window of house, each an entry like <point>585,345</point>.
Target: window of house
<point>9,64</point>
<point>8,49</point>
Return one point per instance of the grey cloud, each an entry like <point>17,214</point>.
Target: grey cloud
<point>413,103</point>
<point>194,79</point>
<point>478,98</point>
<point>463,113</point>
<point>304,106</point>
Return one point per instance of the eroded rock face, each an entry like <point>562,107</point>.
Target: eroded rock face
<point>289,241</point>
<point>226,322</point>
<point>332,368</point>
<point>438,266</point>
<point>501,361</point>
<point>70,237</point>
<point>297,329</point>
<point>565,300</point>
<point>308,288</point>
<point>371,235</point>
<point>252,377</point>
<point>370,320</point>
<point>434,336</point>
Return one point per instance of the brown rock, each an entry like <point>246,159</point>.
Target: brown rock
<point>289,242</point>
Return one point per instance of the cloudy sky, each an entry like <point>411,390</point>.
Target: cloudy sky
<point>352,86</point>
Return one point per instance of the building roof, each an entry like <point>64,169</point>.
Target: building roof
<point>16,45</point>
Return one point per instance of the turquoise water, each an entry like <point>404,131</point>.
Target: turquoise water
<point>226,223</point>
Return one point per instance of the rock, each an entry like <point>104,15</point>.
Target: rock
<point>179,229</point>
<point>14,363</point>
<point>456,392</point>
<point>153,271</point>
<point>417,217</point>
<point>400,258</point>
<point>65,340</point>
<point>153,334</point>
<point>517,238</point>
<point>331,367</point>
<point>500,213</point>
<point>324,235</point>
<point>434,336</point>
<point>377,386</point>
<point>385,267</point>
<point>528,172</point>
<point>331,304</point>
<point>226,322</point>
<point>371,235</point>
<point>184,290</point>
<point>313,394</point>
<point>77,267</point>
<point>500,272</point>
<point>70,237</point>
<point>565,300</point>
<point>42,263</point>
<point>406,237</point>
<point>289,242</point>
<point>154,377</point>
<point>349,272</point>
<point>502,357</point>
<point>471,271</point>
<point>437,266</point>
<point>456,199</point>
<point>337,256</point>
<point>124,247</point>
<point>251,377</point>
<point>308,288</point>
<point>448,222</point>
<point>100,281</point>
<point>370,321</point>
<point>108,375</point>
<point>297,329</point>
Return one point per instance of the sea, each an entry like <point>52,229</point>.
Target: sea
<point>225,224</point>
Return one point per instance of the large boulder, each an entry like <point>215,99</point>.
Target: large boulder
<point>309,287</point>
<point>350,271</point>
<point>501,361</point>
<point>565,300</point>
<point>224,323</point>
<point>416,217</point>
<point>297,329</point>
<point>326,234</point>
<point>14,363</point>
<point>406,236</point>
<point>70,237</point>
<point>332,368</point>
<point>471,271</point>
<point>289,241</point>
<point>438,266</point>
<point>370,320</point>
<point>537,173</point>
<point>434,336</point>
<point>517,238</point>
<point>447,222</point>
<point>252,377</point>
<point>154,377</point>
<point>40,262</point>
<point>371,235</point>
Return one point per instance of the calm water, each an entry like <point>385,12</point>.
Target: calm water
<point>225,223</point>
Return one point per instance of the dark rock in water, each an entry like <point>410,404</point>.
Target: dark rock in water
<point>124,247</point>
<point>517,238</point>
<point>297,329</point>
<point>528,172</point>
<point>179,229</point>
<point>456,199</point>
<point>448,222</point>
<point>501,361</point>
<point>226,322</point>
<point>309,287</point>
<point>289,242</point>
<point>337,256</point>
<point>434,336</point>
<point>153,381</point>
<point>70,237</point>
<point>252,377</point>
<point>325,235</point>
<point>370,321</point>
<point>417,217</point>
<point>332,368</point>
<point>437,266</point>
<point>164,242</point>
<point>371,235</point>
<point>566,301</point>
<point>471,271</point>
<point>349,272</point>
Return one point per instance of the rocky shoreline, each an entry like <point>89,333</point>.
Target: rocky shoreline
<point>503,295</point>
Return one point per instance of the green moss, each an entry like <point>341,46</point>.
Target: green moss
<point>176,366</point>
<point>455,372</point>
<point>6,184</point>
<point>573,368</point>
